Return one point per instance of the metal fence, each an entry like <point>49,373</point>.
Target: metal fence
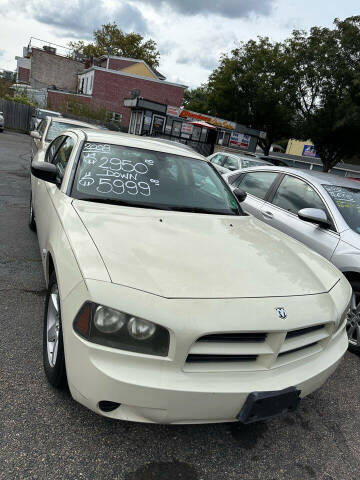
<point>17,116</point>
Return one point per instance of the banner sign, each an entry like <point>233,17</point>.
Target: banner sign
<point>218,122</point>
<point>309,151</point>
<point>239,140</point>
<point>173,111</point>
<point>187,128</point>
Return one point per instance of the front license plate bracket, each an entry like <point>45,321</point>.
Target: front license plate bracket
<point>263,405</point>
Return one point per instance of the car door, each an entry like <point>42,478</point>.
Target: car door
<point>257,185</point>
<point>59,154</point>
<point>292,195</point>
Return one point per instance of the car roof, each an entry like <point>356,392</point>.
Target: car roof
<point>320,178</point>
<point>48,111</point>
<point>148,143</point>
<point>72,122</point>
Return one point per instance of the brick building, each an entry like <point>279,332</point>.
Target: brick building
<point>42,67</point>
<point>114,79</point>
<point>134,96</point>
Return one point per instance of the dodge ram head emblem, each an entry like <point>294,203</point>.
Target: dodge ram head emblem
<point>281,312</point>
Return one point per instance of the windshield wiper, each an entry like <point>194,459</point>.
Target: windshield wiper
<point>201,210</point>
<point>123,203</point>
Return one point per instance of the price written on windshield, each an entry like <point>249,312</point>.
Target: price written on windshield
<point>112,175</point>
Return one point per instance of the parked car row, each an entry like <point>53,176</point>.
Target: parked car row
<point>168,303</point>
<point>319,209</point>
<point>51,127</point>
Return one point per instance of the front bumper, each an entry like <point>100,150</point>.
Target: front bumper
<point>162,390</point>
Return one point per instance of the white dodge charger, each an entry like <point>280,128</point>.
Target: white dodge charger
<point>166,303</point>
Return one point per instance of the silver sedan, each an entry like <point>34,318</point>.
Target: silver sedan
<point>318,209</point>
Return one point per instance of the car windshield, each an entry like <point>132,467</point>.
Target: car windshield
<point>347,201</point>
<point>44,113</point>
<point>56,128</point>
<point>151,179</point>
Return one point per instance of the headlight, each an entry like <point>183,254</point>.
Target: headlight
<point>112,328</point>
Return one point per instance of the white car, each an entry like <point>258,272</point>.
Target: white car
<point>51,127</point>
<point>166,303</point>
<point>2,122</point>
<point>41,114</point>
<point>226,162</point>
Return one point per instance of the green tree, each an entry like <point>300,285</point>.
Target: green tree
<point>197,99</point>
<point>325,67</point>
<point>251,86</point>
<point>109,38</point>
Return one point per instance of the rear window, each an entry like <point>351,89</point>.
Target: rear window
<point>57,127</point>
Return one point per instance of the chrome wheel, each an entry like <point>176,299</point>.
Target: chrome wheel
<point>53,325</point>
<point>353,321</point>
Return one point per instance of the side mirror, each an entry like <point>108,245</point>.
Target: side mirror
<point>314,215</point>
<point>240,194</point>
<point>35,134</point>
<point>44,171</point>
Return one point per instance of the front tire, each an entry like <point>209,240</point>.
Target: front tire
<point>53,346</point>
<point>353,320</point>
<point>32,223</point>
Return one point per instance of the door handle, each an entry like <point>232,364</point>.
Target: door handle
<point>268,215</point>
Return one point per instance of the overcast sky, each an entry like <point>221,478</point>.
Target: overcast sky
<point>191,34</point>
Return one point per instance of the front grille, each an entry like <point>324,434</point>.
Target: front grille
<point>221,358</point>
<point>234,337</point>
<point>247,351</point>
<point>303,331</point>
<point>296,349</point>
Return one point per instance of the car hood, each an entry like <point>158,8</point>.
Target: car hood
<point>187,255</point>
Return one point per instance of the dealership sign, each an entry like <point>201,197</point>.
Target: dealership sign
<point>239,140</point>
<point>173,111</point>
<point>218,122</point>
<point>309,151</point>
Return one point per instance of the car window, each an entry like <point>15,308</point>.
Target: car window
<point>257,183</point>
<point>218,159</point>
<point>294,194</point>
<point>57,127</point>
<point>52,148</point>
<point>151,179</point>
<point>41,127</point>
<point>234,179</point>
<point>231,163</point>
<point>63,154</point>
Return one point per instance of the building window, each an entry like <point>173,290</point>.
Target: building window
<point>113,117</point>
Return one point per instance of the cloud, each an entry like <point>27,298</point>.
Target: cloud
<point>79,18</point>
<point>208,62</point>
<point>224,8</point>
<point>2,52</point>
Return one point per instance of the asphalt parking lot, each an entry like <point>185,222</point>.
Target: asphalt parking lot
<point>44,434</point>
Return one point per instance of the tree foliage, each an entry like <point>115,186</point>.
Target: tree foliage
<point>325,68</point>
<point>307,86</point>
<point>251,86</point>
<point>197,99</point>
<point>110,39</point>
